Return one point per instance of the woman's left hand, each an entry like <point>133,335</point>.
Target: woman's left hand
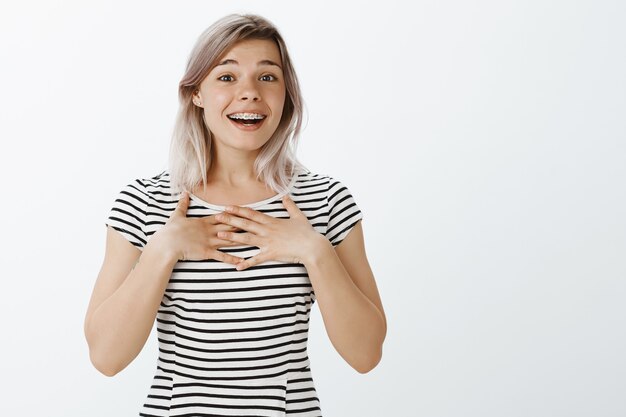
<point>286,240</point>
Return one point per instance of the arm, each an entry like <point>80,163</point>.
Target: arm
<point>121,314</point>
<point>348,299</point>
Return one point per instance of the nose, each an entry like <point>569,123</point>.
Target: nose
<point>248,90</point>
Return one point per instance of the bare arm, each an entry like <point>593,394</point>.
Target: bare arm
<point>344,284</point>
<point>348,300</point>
<point>131,283</point>
<point>117,329</point>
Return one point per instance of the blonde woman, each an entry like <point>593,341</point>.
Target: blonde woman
<point>229,247</point>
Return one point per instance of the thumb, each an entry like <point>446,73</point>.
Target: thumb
<point>183,204</point>
<point>292,208</point>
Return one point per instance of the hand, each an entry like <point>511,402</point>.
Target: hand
<point>287,240</point>
<point>192,239</point>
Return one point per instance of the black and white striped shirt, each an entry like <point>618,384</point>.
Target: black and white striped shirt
<point>234,342</point>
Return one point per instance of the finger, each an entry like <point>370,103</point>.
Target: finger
<point>248,213</point>
<point>214,230</point>
<point>247,263</point>
<point>240,222</point>
<point>218,225</point>
<point>244,238</point>
<point>183,204</point>
<point>224,257</point>
<point>218,243</point>
<point>226,228</point>
<point>292,208</point>
<point>212,219</point>
<point>220,219</point>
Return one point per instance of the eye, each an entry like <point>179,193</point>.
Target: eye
<point>227,75</point>
<point>268,75</point>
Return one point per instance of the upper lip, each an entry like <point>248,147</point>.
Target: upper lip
<point>248,111</point>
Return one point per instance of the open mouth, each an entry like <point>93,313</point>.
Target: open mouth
<point>247,120</point>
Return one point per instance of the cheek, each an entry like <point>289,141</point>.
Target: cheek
<point>277,101</point>
<point>218,102</point>
<point>215,107</point>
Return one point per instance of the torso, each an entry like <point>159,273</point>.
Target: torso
<point>244,332</point>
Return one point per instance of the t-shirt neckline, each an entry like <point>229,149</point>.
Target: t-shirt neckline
<point>250,205</point>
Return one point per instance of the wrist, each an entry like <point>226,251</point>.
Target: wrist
<point>161,244</point>
<point>318,248</point>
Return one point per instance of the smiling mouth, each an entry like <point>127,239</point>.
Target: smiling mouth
<point>247,121</point>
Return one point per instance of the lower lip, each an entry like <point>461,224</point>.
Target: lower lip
<point>250,128</point>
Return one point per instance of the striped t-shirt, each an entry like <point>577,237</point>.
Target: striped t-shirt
<point>234,342</point>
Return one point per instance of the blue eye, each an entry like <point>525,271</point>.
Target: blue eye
<point>220,78</point>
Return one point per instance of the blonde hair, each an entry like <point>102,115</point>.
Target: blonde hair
<point>191,146</point>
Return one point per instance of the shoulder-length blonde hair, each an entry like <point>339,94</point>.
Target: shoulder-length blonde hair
<point>191,146</point>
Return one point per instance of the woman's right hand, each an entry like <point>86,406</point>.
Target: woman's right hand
<point>191,239</point>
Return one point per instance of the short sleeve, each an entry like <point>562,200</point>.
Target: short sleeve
<point>128,214</point>
<point>344,213</point>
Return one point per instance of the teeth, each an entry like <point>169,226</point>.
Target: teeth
<point>246,116</point>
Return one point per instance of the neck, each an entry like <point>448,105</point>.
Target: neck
<point>236,170</point>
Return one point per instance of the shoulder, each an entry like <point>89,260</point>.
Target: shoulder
<point>149,190</point>
<point>306,176</point>
<point>329,183</point>
<point>157,184</point>
<point>334,184</point>
<point>324,186</point>
<point>341,210</point>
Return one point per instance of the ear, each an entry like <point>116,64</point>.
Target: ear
<point>196,98</point>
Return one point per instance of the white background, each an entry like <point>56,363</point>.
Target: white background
<point>484,141</point>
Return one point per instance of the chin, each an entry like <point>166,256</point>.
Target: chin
<point>245,142</point>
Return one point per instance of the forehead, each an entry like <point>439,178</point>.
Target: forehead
<point>250,51</point>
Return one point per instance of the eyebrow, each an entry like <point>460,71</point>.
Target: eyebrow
<point>262,62</point>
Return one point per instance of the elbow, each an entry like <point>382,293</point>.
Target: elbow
<point>102,362</point>
<point>372,358</point>
<point>102,365</point>
<point>371,362</point>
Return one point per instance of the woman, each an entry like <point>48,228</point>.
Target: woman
<point>230,247</point>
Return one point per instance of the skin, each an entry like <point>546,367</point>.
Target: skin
<point>234,87</point>
<point>131,283</point>
<point>343,281</point>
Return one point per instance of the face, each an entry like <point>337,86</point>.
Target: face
<point>244,95</point>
